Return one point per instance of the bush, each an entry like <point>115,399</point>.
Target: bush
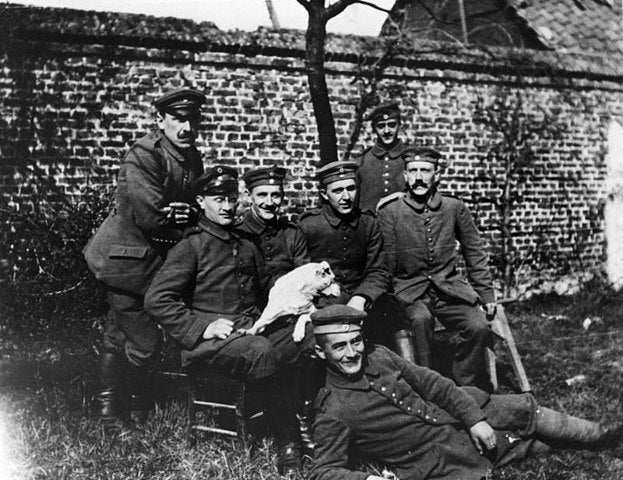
<point>44,280</point>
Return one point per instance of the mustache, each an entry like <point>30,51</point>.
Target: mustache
<point>420,183</point>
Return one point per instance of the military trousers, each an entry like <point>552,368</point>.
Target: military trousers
<point>469,320</point>
<point>129,329</point>
<point>259,356</point>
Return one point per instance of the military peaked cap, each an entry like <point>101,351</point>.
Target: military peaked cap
<point>337,319</point>
<point>334,171</point>
<point>385,111</point>
<point>420,154</point>
<point>264,176</point>
<point>217,180</point>
<point>181,100</point>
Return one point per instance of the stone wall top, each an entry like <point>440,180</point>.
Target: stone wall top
<point>61,25</point>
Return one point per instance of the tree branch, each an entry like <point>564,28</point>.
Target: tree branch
<point>305,4</point>
<point>372,5</point>
<point>337,8</point>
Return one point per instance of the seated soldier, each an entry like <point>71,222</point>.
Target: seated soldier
<point>378,407</point>
<point>421,228</point>
<point>209,289</point>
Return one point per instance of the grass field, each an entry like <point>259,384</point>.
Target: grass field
<point>47,381</point>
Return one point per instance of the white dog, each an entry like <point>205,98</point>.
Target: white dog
<point>294,293</point>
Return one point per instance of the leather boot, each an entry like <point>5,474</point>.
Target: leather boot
<point>112,400</point>
<point>310,379</point>
<point>575,432</point>
<point>139,390</point>
<point>405,345</point>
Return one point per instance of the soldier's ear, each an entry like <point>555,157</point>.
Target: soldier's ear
<point>199,200</point>
<point>320,352</point>
<point>160,119</point>
<point>323,194</point>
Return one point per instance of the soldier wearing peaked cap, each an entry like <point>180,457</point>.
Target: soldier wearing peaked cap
<point>152,207</point>
<point>376,405</point>
<point>210,290</point>
<point>380,167</point>
<point>351,242</point>
<point>282,245</point>
<point>427,225</point>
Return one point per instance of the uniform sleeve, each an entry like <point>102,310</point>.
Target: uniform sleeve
<point>441,391</point>
<point>389,238</point>
<point>164,299</point>
<point>145,176</point>
<point>476,259</point>
<point>375,275</point>
<point>300,254</point>
<point>331,453</point>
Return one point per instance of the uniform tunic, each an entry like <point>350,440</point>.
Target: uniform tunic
<point>215,273</point>
<point>420,244</point>
<point>421,247</point>
<point>353,247</point>
<point>380,173</point>
<point>130,244</point>
<point>125,251</point>
<point>414,421</point>
<point>281,243</point>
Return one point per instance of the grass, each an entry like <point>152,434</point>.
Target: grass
<point>47,380</point>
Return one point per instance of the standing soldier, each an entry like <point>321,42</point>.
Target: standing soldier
<point>152,207</point>
<point>421,230</point>
<point>206,295</point>
<point>380,167</point>
<point>282,244</point>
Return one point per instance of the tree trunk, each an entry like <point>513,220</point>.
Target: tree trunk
<point>314,62</point>
<point>507,239</point>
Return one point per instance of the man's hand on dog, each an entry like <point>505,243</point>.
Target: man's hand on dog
<point>221,328</point>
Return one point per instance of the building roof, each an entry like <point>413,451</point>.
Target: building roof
<point>575,25</point>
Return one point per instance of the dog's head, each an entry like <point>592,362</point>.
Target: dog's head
<point>326,280</point>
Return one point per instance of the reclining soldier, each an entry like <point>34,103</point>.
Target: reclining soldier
<point>379,407</point>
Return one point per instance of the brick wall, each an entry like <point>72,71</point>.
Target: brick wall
<point>71,104</point>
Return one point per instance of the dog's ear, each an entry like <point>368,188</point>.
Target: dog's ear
<point>324,270</point>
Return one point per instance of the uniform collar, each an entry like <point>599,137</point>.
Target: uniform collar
<point>379,150</point>
<point>336,220</point>
<point>433,202</point>
<point>253,223</point>
<point>213,229</point>
<point>360,383</point>
<point>179,155</point>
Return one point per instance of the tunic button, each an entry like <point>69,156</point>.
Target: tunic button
<point>386,182</point>
<point>428,276</point>
<point>408,409</point>
<point>434,419</point>
<point>394,394</point>
<point>427,417</point>
<point>383,389</point>
<point>419,411</point>
<point>371,382</point>
<point>400,402</point>
<point>430,239</point>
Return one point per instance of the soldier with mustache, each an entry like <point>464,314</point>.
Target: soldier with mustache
<point>421,228</point>
<point>151,210</point>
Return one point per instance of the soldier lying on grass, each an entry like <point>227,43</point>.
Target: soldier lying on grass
<point>379,407</point>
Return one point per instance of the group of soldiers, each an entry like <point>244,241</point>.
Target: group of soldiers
<point>172,254</point>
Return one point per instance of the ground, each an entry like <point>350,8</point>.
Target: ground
<point>47,379</point>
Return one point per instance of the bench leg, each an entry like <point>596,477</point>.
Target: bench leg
<point>502,329</point>
<point>491,368</point>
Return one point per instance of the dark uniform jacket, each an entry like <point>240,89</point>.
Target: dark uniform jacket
<point>421,248</point>
<point>353,247</point>
<point>380,173</point>
<point>211,273</point>
<point>281,243</point>
<point>126,250</point>
<point>407,417</point>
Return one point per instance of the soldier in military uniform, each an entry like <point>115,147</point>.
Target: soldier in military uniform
<point>380,166</point>
<point>207,294</point>
<point>281,243</point>
<point>151,209</point>
<point>378,407</point>
<point>421,229</point>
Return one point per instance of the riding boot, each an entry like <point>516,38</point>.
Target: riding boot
<point>570,431</point>
<point>278,408</point>
<point>112,399</point>
<point>310,379</point>
<point>405,345</point>
<point>138,383</point>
